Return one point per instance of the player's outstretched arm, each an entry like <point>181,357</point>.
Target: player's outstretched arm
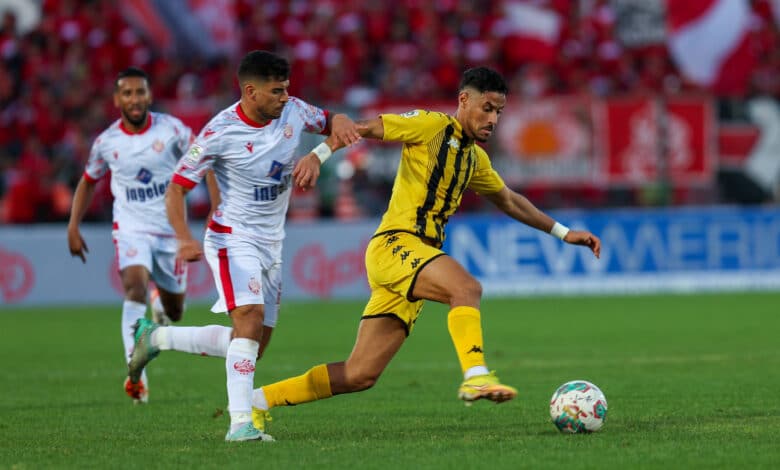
<point>81,200</point>
<point>307,170</point>
<point>189,249</point>
<point>518,207</point>
<point>344,130</point>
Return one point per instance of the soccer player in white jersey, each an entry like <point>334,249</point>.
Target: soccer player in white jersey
<point>251,147</point>
<point>141,149</point>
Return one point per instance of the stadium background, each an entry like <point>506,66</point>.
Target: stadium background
<point>652,114</point>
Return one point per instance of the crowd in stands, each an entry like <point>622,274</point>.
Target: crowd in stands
<point>56,80</point>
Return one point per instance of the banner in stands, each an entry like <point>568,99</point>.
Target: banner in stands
<point>671,250</point>
<point>626,141</point>
<point>641,140</point>
<point>546,141</point>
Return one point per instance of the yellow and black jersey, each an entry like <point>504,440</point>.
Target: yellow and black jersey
<point>437,164</point>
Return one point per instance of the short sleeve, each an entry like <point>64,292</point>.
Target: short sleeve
<point>315,120</point>
<point>96,166</point>
<point>485,179</point>
<point>198,160</point>
<point>413,127</point>
<point>184,136</point>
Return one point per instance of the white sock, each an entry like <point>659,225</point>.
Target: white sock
<point>131,313</point>
<point>474,371</point>
<point>240,368</point>
<point>258,399</point>
<point>209,340</point>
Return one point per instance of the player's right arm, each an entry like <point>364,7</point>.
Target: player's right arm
<point>194,165</point>
<point>81,200</point>
<point>95,169</point>
<point>175,206</point>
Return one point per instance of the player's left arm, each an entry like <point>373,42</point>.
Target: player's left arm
<point>518,207</point>
<point>214,197</point>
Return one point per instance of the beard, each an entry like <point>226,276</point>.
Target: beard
<point>136,122</point>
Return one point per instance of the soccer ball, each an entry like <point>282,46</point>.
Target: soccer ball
<point>578,407</point>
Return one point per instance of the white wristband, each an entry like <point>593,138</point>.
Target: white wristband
<point>322,151</point>
<point>559,230</point>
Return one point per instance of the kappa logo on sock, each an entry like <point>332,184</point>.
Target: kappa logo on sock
<point>244,367</point>
<point>475,349</point>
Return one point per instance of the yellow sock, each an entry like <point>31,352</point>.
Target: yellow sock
<point>312,385</point>
<point>466,332</point>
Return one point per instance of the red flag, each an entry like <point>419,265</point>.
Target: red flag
<point>710,42</point>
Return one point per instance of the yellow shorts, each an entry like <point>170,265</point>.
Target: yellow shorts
<point>393,260</point>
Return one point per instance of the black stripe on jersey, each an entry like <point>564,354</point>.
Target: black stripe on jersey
<point>470,165</point>
<point>433,182</point>
<point>442,215</point>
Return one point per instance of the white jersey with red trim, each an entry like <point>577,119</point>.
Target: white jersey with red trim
<point>141,166</point>
<point>253,166</point>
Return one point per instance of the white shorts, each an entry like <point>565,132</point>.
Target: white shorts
<point>246,272</point>
<point>157,254</point>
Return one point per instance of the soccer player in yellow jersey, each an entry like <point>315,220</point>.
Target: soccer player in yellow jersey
<point>404,260</point>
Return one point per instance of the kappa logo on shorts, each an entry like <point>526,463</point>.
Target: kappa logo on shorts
<point>390,240</point>
<point>254,286</point>
<point>244,367</point>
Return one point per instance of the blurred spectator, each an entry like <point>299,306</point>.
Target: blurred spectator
<point>57,78</point>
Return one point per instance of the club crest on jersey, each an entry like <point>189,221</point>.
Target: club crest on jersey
<point>453,142</point>
<point>158,146</point>
<point>276,171</point>
<point>116,155</point>
<point>250,146</point>
<point>288,131</point>
<point>144,176</point>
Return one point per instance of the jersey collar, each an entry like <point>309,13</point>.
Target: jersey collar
<point>140,131</point>
<point>249,121</point>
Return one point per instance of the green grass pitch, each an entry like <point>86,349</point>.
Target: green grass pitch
<point>692,382</point>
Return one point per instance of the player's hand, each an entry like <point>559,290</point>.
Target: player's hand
<point>76,244</point>
<point>584,238</point>
<point>189,250</point>
<point>306,172</point>
<point>344,130</point>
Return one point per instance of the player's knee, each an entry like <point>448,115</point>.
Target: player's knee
<point>248,321</point>
<point>467,292</point>
<point>136,293</point>
<point>362,382</point>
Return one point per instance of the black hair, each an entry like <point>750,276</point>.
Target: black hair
<point>131,72</point>
<point>263,65</point>
<point>483,79</point>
